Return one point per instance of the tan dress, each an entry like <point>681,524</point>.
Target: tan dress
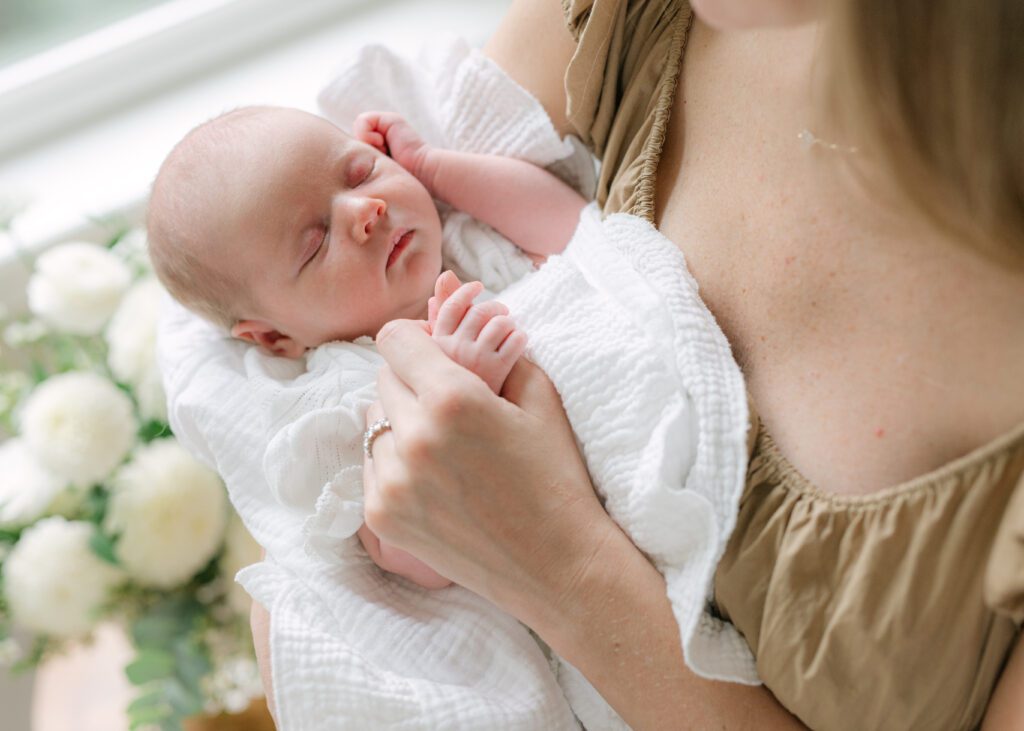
<point>895,610</point>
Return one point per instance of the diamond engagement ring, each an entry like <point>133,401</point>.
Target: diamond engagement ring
<point>370,435</point>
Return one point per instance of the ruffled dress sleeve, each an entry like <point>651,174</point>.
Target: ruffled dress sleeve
<point>620,85</point>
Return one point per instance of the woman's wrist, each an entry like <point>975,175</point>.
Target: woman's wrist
<point>582,570</point>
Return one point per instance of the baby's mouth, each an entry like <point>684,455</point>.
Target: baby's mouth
<point>399,243</point>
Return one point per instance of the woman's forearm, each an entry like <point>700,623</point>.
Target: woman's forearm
<point>616,626</point>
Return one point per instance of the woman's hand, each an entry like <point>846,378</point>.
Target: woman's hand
<point>491,492</point>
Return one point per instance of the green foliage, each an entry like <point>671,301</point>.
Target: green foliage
<point>41,646</point>
<point>94,506</point>
<point>171,663</point>
<point>170,629</point>
<point>150,664</point>
<point>103,546</point>
<point>153,429</point>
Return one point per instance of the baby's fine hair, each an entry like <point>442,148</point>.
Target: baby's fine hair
<point>179,204</point>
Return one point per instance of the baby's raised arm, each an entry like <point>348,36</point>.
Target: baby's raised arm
<point>525,203</point>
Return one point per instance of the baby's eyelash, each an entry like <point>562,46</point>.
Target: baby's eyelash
<point>323,242</point>
<point>363,178</point>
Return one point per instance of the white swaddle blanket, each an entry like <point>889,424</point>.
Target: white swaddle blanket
<point>647,380</point>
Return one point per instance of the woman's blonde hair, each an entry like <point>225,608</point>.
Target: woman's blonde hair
<point>932,92</point>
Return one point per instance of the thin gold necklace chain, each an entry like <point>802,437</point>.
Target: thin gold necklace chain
<point>807,140</point>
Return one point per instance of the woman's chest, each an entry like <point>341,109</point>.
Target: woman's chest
<point>856,350</point>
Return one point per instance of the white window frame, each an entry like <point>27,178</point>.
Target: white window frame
<point>52,92</point>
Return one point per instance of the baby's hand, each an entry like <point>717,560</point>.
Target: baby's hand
<point>481,337</point>
<point>392,135</point>
<point>399,562</point>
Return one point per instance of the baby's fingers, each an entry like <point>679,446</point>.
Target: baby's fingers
<point>513,347</point>
<point>451,312</point>
<point>366,129</point>
<point>477,317</point>
<point>495,332</point>
<point>446,285</point>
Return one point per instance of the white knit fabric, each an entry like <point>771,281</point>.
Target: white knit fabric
<point>648,383</point>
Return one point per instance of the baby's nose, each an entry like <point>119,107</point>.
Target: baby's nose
<point>368,212</point>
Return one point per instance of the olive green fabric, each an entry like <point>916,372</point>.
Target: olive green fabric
<point>895,610</point>
<point>620,85</point>
<point>891,610</point>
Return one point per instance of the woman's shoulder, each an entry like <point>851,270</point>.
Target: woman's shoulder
<point>622,113</point>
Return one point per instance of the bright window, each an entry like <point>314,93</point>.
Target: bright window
<point>30,26</point>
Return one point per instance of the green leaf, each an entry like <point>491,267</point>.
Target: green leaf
<point>40,646</point>
<point>38,373</point>
<point>149,715</point>
<point>192,662</point>
<point>171,724</point>
<point>185,701</point>
<point>155,631</point>
<point>147,700</point>
<point>153,429</point>
<point>103,546</point>
<point>150,665</point>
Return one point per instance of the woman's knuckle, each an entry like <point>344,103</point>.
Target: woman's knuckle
<point>447,403</point>
<point>420,444</point>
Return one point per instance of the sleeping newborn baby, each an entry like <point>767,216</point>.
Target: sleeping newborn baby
<point>278,226</point>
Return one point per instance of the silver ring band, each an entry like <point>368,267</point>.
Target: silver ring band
<point>370,435</point>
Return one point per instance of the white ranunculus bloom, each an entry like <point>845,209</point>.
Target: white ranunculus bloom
<point>131,337</point>
<point>26,487</point>
<point>54,584</point>
<point>79,425</point>
<point>240,550</point>
<point>77,286</point>
<point>170,513</point>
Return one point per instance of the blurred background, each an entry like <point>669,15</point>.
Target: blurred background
<point>30,26</point>
<point>93,94</point>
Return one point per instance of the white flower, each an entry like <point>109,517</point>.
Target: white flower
<point>76,287</point>
<point>53,582</point>
<point>18,334</point>
<point>12,204</point>
<point>26,487</point>
<point>79,425</point>
<point>169,511</point>
<point>131,337</point>
<point>240,550</point>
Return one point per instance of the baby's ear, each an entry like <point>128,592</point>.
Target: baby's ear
<point>267,337</point>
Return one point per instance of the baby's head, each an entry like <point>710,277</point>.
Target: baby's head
<point>274,223</point>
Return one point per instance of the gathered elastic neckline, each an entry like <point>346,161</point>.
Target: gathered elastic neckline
<point>951,473</point>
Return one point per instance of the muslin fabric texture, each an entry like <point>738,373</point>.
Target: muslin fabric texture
<point>892,611</point>
<point>649,385</point>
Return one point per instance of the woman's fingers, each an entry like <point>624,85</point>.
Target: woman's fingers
<point>416,359</point>
<point>529,388</point>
